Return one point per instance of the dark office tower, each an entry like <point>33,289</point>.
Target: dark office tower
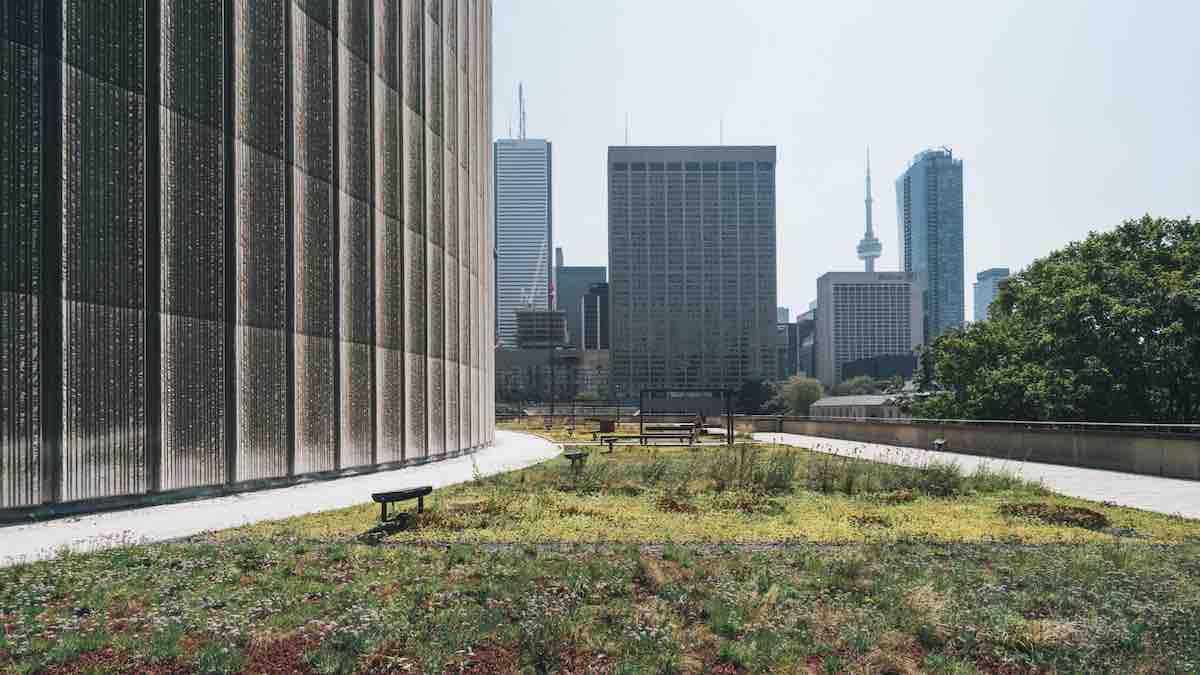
<point>691,258</point>
<point>524,232</point>
<point>243,239</point>
<point>929,208</point>
<point>571,284</point>
<point>594,318</point>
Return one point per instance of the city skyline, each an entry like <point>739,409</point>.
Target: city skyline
<point>1028,80</point>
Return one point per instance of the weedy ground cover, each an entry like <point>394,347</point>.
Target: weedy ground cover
<point>744,559</point>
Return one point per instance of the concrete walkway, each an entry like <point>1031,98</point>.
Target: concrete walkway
<point>1151,493</point>
<point>39,541</point>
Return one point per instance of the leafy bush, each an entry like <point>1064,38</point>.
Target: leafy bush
<point>987,480</point>
<point>746,502</point>
<point>777,472</point>
<point>823,475</point>
<point>748,467</point>
<point>941,479</point>
<point>592,478</point>
<point>654,471</point>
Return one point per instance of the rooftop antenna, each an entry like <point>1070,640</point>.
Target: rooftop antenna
<point>626,128</point>
<point>521,103</point>
<point>722,132</point>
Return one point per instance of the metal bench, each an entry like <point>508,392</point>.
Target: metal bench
<point>577,459</point>
<point>679,435</point>
<point>385,498</point>
<point>610,440</point>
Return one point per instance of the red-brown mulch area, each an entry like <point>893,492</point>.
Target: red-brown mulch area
<point>109,660</point>
<point>488,660</point>
<point>284,656</point>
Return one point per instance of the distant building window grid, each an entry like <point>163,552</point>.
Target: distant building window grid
<point>523,230</point>
<point>870,320</point>
<point>687,300</point>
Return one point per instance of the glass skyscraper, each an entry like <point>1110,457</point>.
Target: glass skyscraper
<point>929,211</point>
<point>987,283</point>
<point>691,253</point>
<point>524,231</point>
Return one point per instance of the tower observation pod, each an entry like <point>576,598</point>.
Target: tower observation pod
<point>869,248</point>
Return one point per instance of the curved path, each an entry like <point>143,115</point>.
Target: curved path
<point>1172,496</point>
<point>39,541</point>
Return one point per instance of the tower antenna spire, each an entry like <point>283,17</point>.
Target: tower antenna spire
<point>869,248</point>
<point>521,103</point>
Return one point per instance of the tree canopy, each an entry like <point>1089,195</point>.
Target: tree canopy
<point>800,392</point>
<point>859,385</point>
<point>1106,329</point>
<point>752,396</point>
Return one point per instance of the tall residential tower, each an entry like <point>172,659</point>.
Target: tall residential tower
<point>691,259</point>
<point>929,211</point>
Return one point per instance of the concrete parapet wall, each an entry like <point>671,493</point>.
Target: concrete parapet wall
<point>1145,452</point>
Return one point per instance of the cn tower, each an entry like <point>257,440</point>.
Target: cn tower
<point>869,248</point>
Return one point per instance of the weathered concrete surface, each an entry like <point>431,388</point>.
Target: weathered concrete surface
<point>1151,493</point>
<point>1147,452</point>
<point>21,543</point>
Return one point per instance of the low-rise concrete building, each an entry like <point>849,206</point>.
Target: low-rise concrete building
<point>857,407</point>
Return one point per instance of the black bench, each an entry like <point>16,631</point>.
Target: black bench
<point>577,459</point>
<point>610,440</point>
<point>681,436</point>
<point>385,498</point>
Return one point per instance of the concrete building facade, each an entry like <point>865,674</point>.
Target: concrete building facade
<point>862,315</point>
<point>691,252</point>
<point>987,283</point>
<point>524,231</point>
<point>248,241</point>
<point>929,211</point>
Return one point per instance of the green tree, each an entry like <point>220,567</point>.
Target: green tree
<point>1107,329</point>
<point>752,396</point>
<point>858,386</point>
<point>800,392</point>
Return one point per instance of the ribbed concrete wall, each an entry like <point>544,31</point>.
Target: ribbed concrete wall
<point>244,240</point>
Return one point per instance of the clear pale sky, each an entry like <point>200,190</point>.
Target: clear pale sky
<point>1069,116</point>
